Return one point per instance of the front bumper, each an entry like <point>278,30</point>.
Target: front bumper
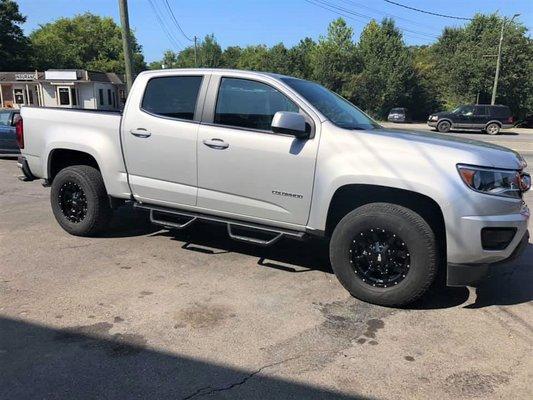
<point>433,124</point>
<point>469,274</point>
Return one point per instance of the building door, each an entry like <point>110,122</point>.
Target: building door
<point>67,96</point>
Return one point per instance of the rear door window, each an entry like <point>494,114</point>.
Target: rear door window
<point>172,96</point>
<point>480,110</point>
<point>500,112</point>
<point>249,104</point>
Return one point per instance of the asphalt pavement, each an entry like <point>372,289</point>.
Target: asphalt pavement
<point>146,313</point>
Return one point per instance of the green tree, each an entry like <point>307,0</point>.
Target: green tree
<point>334,59</point>
<point>86,41</point>
<point>300,58</point>
<point>14,45</point>
<point>278,60</point>
<point>465,63</point>
<point>425,100</point>
<point>208,55</point>
<point>169,60</point>
<point>387,78</point>
<point>230,56</point>
<point>254,58</point>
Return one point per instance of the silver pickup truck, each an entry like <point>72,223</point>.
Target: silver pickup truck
<point>273,156</point>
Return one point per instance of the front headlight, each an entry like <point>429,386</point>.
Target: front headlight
<point>497,182</point>
<point>433,117</point>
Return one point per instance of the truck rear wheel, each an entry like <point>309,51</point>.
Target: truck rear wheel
<point>79,201</point>
<point>384,254</point>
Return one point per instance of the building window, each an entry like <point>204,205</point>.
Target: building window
<point>63,95</point>
<point>19,96</point>
<point>74,96</point>
<point>109,97</point>
<point>114,99</point>
<point>101,96</point>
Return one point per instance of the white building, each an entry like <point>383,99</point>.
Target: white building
<point>62,88</point>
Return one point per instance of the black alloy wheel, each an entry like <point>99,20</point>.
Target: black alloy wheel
<point>384,253</point>
<point>379,257</point>
<point>73,202</point>
<point>79,200</point>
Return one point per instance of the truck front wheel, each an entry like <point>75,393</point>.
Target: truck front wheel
<point>384,254</point>
<point>79,201</point>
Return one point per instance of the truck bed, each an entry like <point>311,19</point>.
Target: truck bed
<point>96,132</point>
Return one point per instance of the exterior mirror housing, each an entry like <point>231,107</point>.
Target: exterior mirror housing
<point>16,119</point>
<point>290,123</point>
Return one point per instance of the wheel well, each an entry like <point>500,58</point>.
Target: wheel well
<point>349,197</point>
<point>445,119</point>
<point>494,122</point>
<point>62,158</point>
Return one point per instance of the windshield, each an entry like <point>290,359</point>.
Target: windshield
<point>397,110</point>
<point>338,110</point>
<point>464,110</point>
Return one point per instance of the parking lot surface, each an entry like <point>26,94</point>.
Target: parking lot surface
<point>147,313</point>
<point>519,139</point>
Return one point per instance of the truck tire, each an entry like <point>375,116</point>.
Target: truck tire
<point>384,254</point>
<point>493,128</point>
<point>444,126</point>
<point>79,201</point>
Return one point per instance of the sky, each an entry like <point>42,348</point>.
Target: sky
<point>246,22</point>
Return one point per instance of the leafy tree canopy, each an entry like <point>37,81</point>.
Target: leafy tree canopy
<point>86,41</point>
<point>14,46</point>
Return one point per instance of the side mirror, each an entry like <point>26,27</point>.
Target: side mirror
<point>290,123</point>
<point>16,119</point>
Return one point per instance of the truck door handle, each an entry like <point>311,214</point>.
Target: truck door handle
<point>215,143</point>
<point>140,132</point>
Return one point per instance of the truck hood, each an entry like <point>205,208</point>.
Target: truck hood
<point>486,154</point>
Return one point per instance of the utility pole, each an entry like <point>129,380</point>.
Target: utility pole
<point>195,52</point>
<point>498,61</point>
<point>126,42</point>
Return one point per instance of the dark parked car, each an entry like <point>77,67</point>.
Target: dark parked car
<point>526,123</point>
<point>483,117</point>
<point>398,114</point>
<point>8,136</point>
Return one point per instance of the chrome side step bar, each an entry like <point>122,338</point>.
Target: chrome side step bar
<point>158,213</point>
<point>158,219</point>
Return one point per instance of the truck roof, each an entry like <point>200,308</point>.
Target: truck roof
<point>214,71</point>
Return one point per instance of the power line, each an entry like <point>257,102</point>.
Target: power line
<point>365,18</point>
<point>176,22</point>
<point>173,41</point>
<point>427,12</point>
<point>381,12</point>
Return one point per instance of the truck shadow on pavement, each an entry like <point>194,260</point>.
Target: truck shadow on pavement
<point>293,257</point>
<point>89,363</point>
<point>507,284</point>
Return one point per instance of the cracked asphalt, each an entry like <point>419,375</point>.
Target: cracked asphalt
<point>147,313</point>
